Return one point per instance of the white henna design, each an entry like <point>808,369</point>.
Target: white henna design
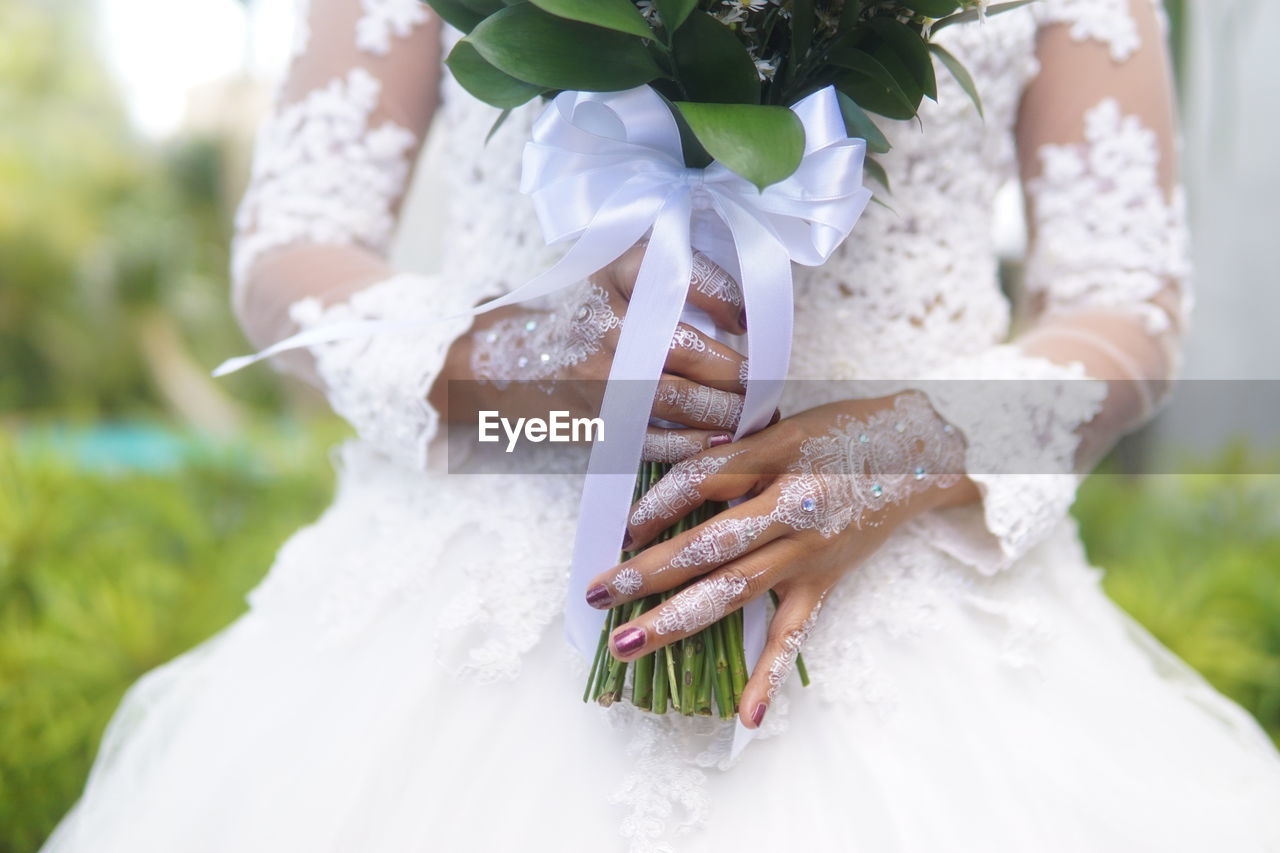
<point>784,663</point>
<point>704,405</point>
<point>863,466</point>
<point>668,446</point>
<point>711,280</point>
<point>686,338</point>
<point>679,488</point>
<point>698,606</point>
<point>537,348</point>
<point>627,582</point>
<point>720,541</point>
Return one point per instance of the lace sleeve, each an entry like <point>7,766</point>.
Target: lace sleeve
<point>331,164</point>
<point>1105,285</point>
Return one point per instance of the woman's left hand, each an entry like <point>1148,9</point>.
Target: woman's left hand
<point>823,489</point>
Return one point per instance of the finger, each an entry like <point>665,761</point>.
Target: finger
<point>689,484</point>
<point>705,602</point>
<point>710,288</point>
<point>715,291</point>
<point>667,565</point>
<point>676,445</point>
<point>687,403</point>
<point>705,360</point>
<point>794,618</point>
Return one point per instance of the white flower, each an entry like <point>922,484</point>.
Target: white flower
<point>766,68</point>
<point>735,14</point>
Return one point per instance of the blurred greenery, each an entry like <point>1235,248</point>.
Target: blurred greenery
<point>113,252</point>
<point>107,574</point>
<point>110,247</point>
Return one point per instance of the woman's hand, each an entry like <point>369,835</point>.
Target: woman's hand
<point>562,358</point>
<point>823,490</point>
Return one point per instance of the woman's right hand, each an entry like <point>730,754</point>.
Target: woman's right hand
<point>520,357</point>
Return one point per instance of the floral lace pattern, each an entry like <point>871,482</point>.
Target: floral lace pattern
<point>322,174</point>
<point>1132,243</point>
<point>367,377</point>
<point>1109,22</point>
<point>1020,449</point>
<point>381,19</point>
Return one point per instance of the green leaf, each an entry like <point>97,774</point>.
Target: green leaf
<point>849,14</point>
<point>933,8</point>
<point>972,14</point>
<point>860,126</point>
<point>497,123</point>
<point>712,65</point>
<point>673,12</point>
<point>876,172</point>
<point>484,8</point>
<point>484,81</point>
<point>961,74</point>
<point>802,25</point>
<point>456,13</point>
<point>619,15</point>
<point>911,49</point>
<point>763,144</point>
<point>871,85</point>
<point>554,53</point>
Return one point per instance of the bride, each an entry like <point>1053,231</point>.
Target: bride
<point>401,682</point>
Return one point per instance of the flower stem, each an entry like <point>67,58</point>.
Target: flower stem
<point>706,675</point>
<point>673,681</point>
<point>687,675</point>
<point>723,687</point>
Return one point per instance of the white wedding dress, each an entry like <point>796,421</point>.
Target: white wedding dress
<point>401,681</point>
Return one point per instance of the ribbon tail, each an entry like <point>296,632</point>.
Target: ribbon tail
<point>652,314</point>
<point>768,296</point>
<point>322,335</point>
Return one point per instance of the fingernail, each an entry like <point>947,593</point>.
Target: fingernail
<point>627,641</point>
<point>742,319</point>
<point>719,439</point>
<point>757,716</point>
<point>599,596</point>
<point>627,542</point>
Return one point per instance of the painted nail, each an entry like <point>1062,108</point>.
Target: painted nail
<point>719,439</point>
<point>757,716</point>
<point>742,319</point>
<point>627,542</point>
<point>599,596</point>
<point>628,640</point>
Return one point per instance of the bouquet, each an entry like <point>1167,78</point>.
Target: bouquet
<point>729,71</point>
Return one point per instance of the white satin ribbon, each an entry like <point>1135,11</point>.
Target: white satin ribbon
<point>605,169</point>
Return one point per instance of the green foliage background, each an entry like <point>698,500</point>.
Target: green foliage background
<point>109,570</point>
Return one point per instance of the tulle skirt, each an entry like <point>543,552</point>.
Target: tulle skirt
<point>382,694</point>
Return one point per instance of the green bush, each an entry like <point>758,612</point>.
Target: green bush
<point>105,575</point>
<point>1196,559</point>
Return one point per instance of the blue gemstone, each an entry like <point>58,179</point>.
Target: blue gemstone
<point>808,504</point>
<point>877,490</point>
<point>919,473</point>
